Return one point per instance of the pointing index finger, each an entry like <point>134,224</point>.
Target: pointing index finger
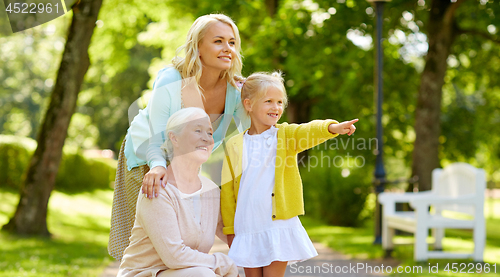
<point>353,121</point>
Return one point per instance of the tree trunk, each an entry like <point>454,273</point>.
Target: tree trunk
<point>272,7</point>
<point>31,213</point>
<point>441,34</point>
<point>298,111</point>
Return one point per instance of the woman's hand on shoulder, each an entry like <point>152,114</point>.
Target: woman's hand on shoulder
<point>156,177</point>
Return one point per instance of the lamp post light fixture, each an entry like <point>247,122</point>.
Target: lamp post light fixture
<point>380,177</point>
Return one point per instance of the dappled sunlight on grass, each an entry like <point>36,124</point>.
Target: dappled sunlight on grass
<point>96,204</point>
<point>492,209</point>
<point>455,241</point>
<point>80,228</point>
<point>80,216</point>
<point>458,244</point>
<point>353,242</point>
<point>45,257</point>
<point>8,202</point>
<point>492,255</point>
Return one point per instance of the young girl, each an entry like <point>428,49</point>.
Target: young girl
<point>261,194</point>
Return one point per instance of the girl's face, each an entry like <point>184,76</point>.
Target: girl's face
<point>218,47</point>
<point>267,110</point>
<point>195,139</point>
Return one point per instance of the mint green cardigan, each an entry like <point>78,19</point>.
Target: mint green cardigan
<point>147,130</point>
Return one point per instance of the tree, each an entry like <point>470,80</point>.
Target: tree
<point>441,34</point>
<point>30,217</point>
<point>442,31</point>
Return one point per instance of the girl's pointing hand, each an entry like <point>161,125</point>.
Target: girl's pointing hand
<point>346,127</point>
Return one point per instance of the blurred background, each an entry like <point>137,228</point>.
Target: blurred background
<point>326,51</point>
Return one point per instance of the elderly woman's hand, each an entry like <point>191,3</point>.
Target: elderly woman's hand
<point>152,181</point>
<point>224,266</point>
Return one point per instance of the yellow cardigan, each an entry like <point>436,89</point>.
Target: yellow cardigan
<point>287,193</point>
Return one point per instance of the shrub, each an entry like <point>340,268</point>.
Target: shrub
<point>335,199</point>
<point>79,174</point>
<point>13,161</point>
<point>76,173</point>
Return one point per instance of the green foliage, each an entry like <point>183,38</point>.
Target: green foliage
<point>28,65</point>
<point>82,134</point>
<point>13,161</point>
<point>132,42</point>
<point>331,197</point>
<point>76,173</point>
<point>470,114</point>
<point>471,95</point>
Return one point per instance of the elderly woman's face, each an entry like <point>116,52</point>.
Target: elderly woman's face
<point>195,139</point>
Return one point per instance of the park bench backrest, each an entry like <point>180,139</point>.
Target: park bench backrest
<point>459,179</point>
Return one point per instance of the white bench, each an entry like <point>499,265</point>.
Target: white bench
<point>459,188</point>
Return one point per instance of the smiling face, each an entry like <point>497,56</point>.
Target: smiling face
<point>194,140</point>
<point>266,111</point>
<point>218,47</point>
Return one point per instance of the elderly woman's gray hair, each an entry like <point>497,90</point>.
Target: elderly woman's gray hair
<point>175,124</point>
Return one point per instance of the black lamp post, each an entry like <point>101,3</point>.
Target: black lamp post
<point>379,180</point>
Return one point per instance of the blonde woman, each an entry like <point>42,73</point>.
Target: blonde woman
<point>173,233</point>
<point>206,77</point>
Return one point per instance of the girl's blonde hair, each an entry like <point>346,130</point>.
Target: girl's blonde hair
<point>190,65</point>
<point>256,85</point>
<point>176,124</point>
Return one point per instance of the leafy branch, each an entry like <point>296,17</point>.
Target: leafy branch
<point>475,32</point>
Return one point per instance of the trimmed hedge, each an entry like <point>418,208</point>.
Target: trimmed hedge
<point>76,173</point>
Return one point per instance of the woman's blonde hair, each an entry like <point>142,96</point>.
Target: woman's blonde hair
<point>176,124</point>
<point>190,65</point>
<point>256,85</point>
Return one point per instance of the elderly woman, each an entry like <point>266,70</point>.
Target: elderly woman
<point>173,233</point>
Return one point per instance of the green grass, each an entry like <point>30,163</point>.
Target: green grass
<point>80,228</point>
<point>357,243</point>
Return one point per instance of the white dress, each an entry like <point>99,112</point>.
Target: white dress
<point>259,240</point>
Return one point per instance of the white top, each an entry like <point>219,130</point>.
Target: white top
<point>194,198</point>
<point>259,240</point>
